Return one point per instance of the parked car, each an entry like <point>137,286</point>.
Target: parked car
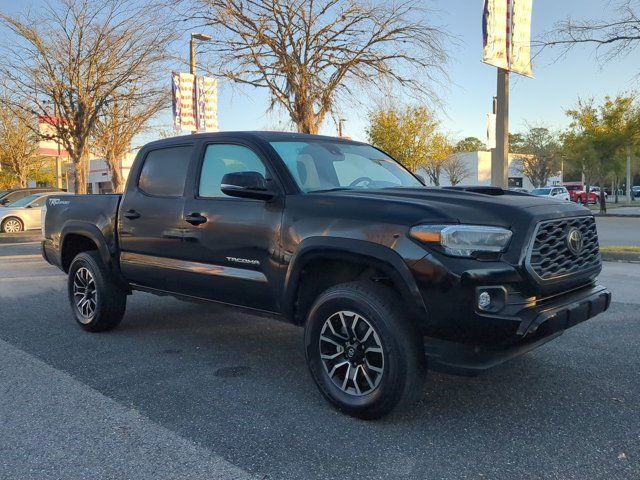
<point>24,214</point>
<point>385,274</point>
<point>636,191</point>
<point>577,192</point>
<point>593,197</point>
<point>13,195</point>
<point>519,189</point>
<point>557,193</point>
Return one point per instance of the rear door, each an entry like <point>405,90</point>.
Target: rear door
<point>150,222</point>
<point>233,255</point>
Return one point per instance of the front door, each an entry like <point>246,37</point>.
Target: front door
<point>150,219</point>
<point>234,243</point>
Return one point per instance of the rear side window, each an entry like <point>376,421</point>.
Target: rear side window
<point>164,171</point>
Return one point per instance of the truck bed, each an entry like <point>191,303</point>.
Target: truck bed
<point>94,215</point>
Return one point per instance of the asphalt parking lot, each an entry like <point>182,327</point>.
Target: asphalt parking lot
<point>197,391</point>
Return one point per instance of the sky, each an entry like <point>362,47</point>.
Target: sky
<point>467,98</point>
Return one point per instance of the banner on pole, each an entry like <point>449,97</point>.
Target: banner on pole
<point>491,131</point>
<point>495,33</point>
<point>195,102</point>
<point>207,109</point>
<point>506,34</point>
<point>520,58</point>
<point>184,104</point>
<point>49,145</point>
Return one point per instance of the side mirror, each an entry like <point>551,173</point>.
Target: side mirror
<point>246,185</point>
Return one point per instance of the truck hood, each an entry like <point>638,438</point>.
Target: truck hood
<point>499,207</point>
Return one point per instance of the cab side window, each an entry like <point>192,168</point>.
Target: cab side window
<point>220,159</point>
<point>164,171</point>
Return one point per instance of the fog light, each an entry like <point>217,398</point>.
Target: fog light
<point>484,301</point>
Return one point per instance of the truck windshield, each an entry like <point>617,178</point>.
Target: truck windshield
<point>319,165</point>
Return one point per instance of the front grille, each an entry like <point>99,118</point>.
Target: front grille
<point>550,256</point>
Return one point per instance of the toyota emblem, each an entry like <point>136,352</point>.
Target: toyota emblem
<point>574,241</point>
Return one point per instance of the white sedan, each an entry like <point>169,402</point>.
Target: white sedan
<point>25,214</point>
<point>558,193</point>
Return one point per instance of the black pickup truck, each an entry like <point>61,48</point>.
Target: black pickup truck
<point>385,274</point>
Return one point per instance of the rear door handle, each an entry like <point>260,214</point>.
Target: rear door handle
<point>131,214</point>
<point>195,219</point>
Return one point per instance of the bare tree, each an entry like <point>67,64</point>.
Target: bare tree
<point>121,120</point>
<point>70,57</point>
<point>308,53</point>
<point>614,36</point>
<point>455,169</point>
<point>19,147</point>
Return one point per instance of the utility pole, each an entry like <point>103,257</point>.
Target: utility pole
<point>629,191</point>
<point>500,154</point>
<point>192,54</point>
<point>58,155</point>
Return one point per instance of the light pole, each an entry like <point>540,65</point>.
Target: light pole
<point>192,55</point>
<point>340,123</point>
<point>192,49</point>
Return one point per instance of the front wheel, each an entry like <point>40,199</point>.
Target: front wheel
<point>363,354</point>
<point>97,301</point>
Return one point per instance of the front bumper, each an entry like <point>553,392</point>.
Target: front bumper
<point>511,335</point>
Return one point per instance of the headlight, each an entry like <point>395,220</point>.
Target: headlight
<point>463,240</point>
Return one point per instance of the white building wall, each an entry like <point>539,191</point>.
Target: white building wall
<point>479,171</point>
<point>99,177</point>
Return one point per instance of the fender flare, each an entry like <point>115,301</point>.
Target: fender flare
<point>92,232</point>
<point>380,256</point>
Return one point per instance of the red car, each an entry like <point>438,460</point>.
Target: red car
<point>577,193</point>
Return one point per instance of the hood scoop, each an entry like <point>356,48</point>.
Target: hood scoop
<point>493,191</point>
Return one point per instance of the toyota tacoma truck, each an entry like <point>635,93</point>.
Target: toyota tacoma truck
<point>386,276</point>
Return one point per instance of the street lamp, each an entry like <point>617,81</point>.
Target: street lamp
<point>340,123</point>
<point>192,44</point>
<point>192,54</point>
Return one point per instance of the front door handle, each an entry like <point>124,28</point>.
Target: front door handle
<point>131,214</point>
<point>195,219</point>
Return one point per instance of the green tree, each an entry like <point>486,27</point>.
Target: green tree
<point>541,155</point>
<point>516,143</point>
<point>598,135</point>
<point>470,144</point>
<point>407,135</point>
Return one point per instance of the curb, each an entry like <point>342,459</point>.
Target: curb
<point>617,215</point>
<point>8,238</point>
<point>626,257</point>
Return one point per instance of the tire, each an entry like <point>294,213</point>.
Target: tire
<point>12,225</point>
<point>105,305</point>
<point>395,377</point>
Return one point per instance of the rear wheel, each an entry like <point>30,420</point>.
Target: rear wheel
<point>363,354</point>
<point>97,301</point>
<point>12,225</point>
